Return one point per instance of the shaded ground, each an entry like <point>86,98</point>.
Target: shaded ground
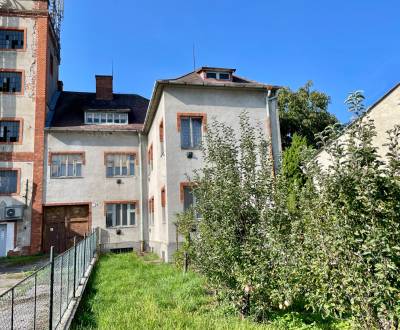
<point>14,269</point>
<point>130,292</point>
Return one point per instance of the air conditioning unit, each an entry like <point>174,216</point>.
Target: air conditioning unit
<point>13,212</point>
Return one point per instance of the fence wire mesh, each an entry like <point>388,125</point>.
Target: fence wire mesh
<point>28,305</point>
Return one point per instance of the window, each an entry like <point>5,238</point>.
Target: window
<point>224,76</point>
<point>9,130</point>
<point>8,181</point>
<point>10,82</point>
<point>188,198</point>
<point>191,132</point>
<point>211,75</point>
<point>218,75</point>
<point>66,165</point>
<point>163,204</point>
<point>11,39</point>
<point>161,138</point>
<point>150,158</point>
<point>151,211</point>
<point>120,214</point>
<point>120,165</point>
<point>106,118</point>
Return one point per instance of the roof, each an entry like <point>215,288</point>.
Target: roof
<point>195,79</point>
<point>69,111</point>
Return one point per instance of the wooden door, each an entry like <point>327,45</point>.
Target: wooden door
<point>54,229</point>
<point>62,224</point>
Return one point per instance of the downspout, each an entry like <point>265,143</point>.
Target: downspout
<point>274,130</point>
<point>142,243</point>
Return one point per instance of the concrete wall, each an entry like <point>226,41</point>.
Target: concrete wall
<point>218,104</point>
<point>94,187</point>
<point>386,114</point>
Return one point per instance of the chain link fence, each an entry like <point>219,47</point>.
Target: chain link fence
<point>40,300</point>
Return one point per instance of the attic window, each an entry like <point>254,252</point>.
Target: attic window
<point>218,75</point>
<point>106,118</point>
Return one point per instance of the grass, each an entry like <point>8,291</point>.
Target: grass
<point>20,260</point>
<point>130,292</point>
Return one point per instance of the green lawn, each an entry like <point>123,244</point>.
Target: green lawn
<point>130,292</point>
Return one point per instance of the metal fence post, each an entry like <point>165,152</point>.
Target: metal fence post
<point>84,255</point>
<point>34,308</point>
<point>51,287</point>
<point>12,308</point>
<point>74,288</point>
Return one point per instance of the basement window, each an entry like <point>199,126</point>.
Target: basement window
<point>10,82</point>
<point>11,39</point>
<point>9,131</point>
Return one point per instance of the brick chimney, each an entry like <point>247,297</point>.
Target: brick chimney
<point>104,88</point>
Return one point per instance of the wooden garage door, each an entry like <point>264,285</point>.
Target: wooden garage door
<point>62,224</point>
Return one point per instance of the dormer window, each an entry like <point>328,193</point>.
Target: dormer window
<point>218,75</point>
<point>105,118</point>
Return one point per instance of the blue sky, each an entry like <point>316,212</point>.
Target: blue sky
<point>341,45</point>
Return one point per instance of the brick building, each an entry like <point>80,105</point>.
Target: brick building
<point>30,57</point>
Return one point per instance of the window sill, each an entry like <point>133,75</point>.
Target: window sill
<point>122,227</point>
<point>122,177</point>
<point>190,148</point>
<point>66,177</point>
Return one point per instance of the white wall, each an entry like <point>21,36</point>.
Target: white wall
<point>218,104</point>
<point>94,187</point>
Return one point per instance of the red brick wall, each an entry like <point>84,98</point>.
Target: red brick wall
<point>104,87</point>
<point>40,111</point>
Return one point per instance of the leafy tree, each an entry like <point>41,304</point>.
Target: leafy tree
<point>303,112</point>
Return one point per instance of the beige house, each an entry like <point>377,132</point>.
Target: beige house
<point>120,163</point>
<point>385,113</point>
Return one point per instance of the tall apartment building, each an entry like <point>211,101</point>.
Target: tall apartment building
<point>30,57</point>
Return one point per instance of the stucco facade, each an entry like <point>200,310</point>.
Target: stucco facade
<point>385,113</point>
<point>173,168</point>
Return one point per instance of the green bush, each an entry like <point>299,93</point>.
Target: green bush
<point>336,251</point>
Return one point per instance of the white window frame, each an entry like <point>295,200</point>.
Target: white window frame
<point>111,118</point>
<point>130,209</point>
<point>191,131</point>
<point>128,164</point>
<point>218,75</point>
<point>75,163</point>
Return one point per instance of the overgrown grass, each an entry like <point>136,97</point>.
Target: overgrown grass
<point>20,260</point>
<point>130,292</point>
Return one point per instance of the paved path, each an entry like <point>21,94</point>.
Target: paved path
<point>11,274</point>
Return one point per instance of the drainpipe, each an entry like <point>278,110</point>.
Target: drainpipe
<point>142,245</point>
<point>274,129</point>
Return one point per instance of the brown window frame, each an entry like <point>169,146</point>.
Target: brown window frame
<point>21,128</point>
<point>14,29</point>
<point>18,170</point>
<point>22,72</point>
